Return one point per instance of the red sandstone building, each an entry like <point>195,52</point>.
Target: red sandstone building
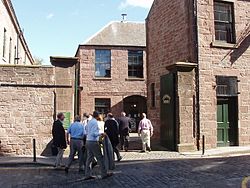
<point>112,72</point>
<point>198,72</point>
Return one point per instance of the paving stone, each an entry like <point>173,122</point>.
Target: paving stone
<point>182,172</point>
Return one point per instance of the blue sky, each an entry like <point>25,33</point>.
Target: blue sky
<point>57,27</point>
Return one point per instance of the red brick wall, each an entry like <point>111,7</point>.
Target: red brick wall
<point>223,61</point>
<point>169,40</point>
<point>117,88</point>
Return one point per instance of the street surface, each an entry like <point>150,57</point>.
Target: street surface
<point>131,172</point>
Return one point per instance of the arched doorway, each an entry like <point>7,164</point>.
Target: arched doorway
<point>134,106</point>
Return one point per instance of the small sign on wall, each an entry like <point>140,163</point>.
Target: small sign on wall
<point>67,120</point>
<point>166,99</point>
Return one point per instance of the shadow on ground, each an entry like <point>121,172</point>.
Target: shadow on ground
<point>211,172</point>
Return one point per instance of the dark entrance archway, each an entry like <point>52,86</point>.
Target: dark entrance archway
<point>134,106</point>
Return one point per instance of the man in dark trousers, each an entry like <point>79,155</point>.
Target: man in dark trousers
<point>111,129</point>
<point>124,127</point>
<point>59,139</point>
<point>76,132</point>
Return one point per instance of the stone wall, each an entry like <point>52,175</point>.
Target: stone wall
<point>26,110</point>
<point>224,61</point>
<point>30,98</point>
<point>65,76</point>
<point>118,87</point>
<point>169,40</point>
<point>186,120</point>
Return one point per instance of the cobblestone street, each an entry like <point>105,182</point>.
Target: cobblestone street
<point>181,172</point>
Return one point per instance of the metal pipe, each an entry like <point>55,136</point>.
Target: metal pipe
<point>34,150</point>
<point>197,74</point>
<point>203,144</point>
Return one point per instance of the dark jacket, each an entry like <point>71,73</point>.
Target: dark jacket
<point>111,129</point>
<point>58,133</point>
<point>124,125</point>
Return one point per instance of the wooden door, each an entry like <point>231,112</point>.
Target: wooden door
<point>223,122</point>
<point>168,123</point>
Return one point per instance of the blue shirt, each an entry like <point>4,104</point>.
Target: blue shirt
<point>93,130</point>
<point>76,130</point>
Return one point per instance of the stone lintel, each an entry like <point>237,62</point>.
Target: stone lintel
<point>181,66</point>
<point>63,61</point>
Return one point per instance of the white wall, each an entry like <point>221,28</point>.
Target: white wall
<point>6,23</point>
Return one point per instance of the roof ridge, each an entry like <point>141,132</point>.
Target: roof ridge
<point>119,34</point>
<point>106,26</point>
<point>98,32</point>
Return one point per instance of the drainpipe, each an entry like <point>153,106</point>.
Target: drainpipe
<point>17,48</point>
<point>197,75</point>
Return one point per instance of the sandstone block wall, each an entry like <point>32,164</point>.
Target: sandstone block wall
<point>169,40</point>
<point>223,61</point>
<point>30,98</point>
<point>186,120</point>
<point>26,111</point>
<point>118,87</point>
<point>65,76</point>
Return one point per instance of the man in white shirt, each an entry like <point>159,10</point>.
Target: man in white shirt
<point>145,131</point>
<point>94,149</point>
<point>86,118</point>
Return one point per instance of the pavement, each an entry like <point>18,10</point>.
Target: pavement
<point>169,172</point>
<point>221,167</point>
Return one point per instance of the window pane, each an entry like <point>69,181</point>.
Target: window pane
<point>103,105</point>
<point>135,63</point>
<point>102,63</point>
<point>4,42</point>
<point>223,16</point>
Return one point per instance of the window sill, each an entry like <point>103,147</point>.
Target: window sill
<point>102,79</point>
<point>218,44</point>
<point>135,79</point>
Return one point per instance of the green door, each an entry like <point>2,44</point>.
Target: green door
<point>168,125</point>
<point>222,123</point>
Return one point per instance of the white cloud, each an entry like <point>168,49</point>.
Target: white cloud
<point>136,3</point>
<point>50,16</point>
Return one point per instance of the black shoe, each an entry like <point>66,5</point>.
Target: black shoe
<point>119,159</point>
<point>89,178</point>
<point>107,176</point>
<point>142,151</point>
<point>66,170</point>
<point>126,149</point>
<point>93,164</point>
<point>149,149</point>
<point>81,170</point>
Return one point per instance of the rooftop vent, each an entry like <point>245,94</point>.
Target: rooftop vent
<point>124,18</point>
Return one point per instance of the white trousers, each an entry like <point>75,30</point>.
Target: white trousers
<point>145,137</point>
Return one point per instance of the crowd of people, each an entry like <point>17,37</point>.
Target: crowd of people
<point>96,140</point>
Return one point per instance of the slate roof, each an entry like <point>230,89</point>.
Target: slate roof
<point>120,34</point>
